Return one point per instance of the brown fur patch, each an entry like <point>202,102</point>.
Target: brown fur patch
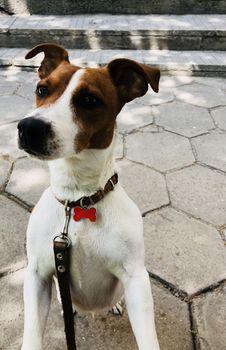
<point>96,124</point>
<point>53,56</point>
<point>56,82</point>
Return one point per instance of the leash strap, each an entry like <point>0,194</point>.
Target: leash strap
<point>61,251</point>
<point>61,246</point>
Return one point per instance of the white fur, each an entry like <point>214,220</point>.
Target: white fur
<point>107,256</point>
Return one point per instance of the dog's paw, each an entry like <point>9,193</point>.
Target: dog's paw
<point>117,310</point>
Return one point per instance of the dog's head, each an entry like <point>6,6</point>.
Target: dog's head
<point>77,107</point>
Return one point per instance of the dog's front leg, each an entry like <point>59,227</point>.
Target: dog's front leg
<point>37,296</point>
<point>140,308</point>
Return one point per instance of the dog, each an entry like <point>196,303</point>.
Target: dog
<point>73,128</point>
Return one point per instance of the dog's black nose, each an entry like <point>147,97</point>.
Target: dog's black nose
<point>33,135</point>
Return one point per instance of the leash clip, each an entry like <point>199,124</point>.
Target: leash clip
<point>67,219</point>
<point>64,233</point>
<point>63,239</point>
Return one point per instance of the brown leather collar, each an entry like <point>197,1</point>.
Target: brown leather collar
<point>87,201</point>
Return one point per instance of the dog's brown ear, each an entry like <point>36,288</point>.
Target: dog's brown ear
<point>132,78</point>
<point>54,55</point>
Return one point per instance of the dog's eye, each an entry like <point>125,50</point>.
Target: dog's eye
<point>88,101</point>
<point>42,90</point>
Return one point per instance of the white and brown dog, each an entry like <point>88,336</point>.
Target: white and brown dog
<point>73,128</point>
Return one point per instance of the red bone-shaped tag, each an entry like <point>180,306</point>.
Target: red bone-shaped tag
<point>80,213</point>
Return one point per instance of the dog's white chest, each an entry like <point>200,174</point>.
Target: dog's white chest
<point>97,250</point>
<point>93,287</point>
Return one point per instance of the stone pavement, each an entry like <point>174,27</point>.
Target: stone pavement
<point>172,153</point>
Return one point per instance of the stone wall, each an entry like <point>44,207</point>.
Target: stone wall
<point>70,7</point>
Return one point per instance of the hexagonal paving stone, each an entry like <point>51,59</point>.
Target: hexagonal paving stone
<point>99,333</point>
<point>212,82</point>
<point>219,116</point>
<point>133,116</point>
<point>13,108</point>
<point>8,141</point>
<point>145,186</point>
<point>27,90</point>
<point>201,95</point>
<point>209,313</point>
<point>151,128</point>
<point>178,249</point>
<point>167,82</point>
<point>13,221</point>
<point>162,151</point>
<point>199,191</point>
<point>172,320</point>
<point>4,171</point>
<point>211,149</point>
<point>15,74</point>
<point>119,147</point>
<point>11,311</point>
<point>182,118</point>
<point>7,88</point>
<point>28,180</point>
<point>151,98</point>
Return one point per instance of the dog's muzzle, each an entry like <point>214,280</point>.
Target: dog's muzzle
<point>34,135</point>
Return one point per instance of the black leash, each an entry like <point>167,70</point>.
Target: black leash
<point>61,245</point>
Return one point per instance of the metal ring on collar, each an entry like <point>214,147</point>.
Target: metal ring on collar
<point>112,183</point>
<point>81,203</point>
<point>61,238</point>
